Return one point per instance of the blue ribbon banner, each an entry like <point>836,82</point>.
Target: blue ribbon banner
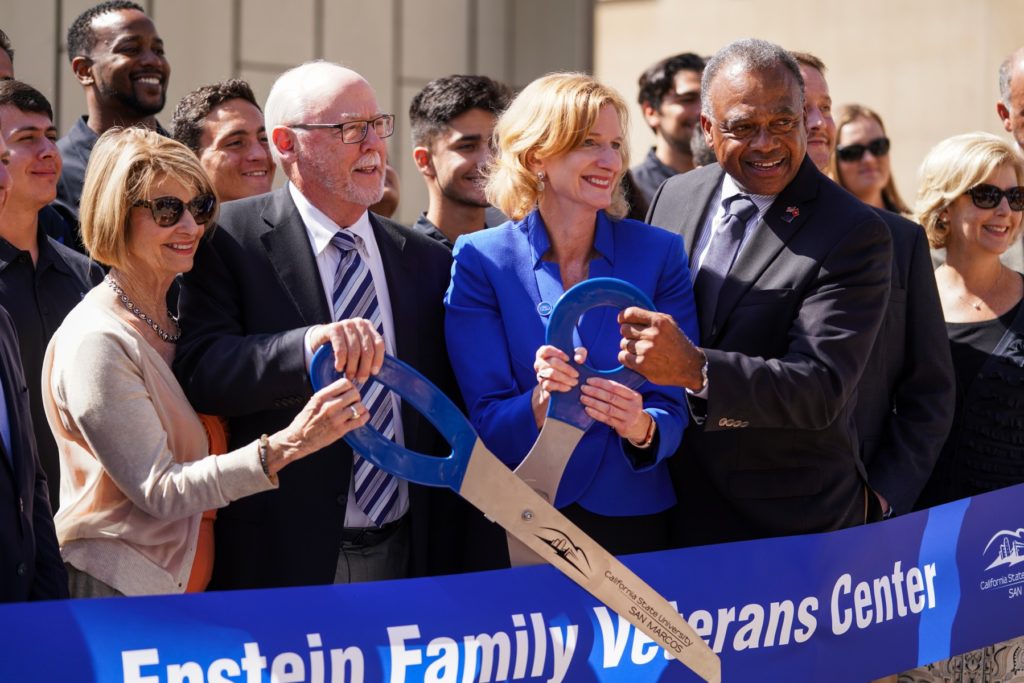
<point>848,605</point>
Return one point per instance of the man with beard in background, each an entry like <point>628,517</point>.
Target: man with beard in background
<point>670,100</point>
<point>118,58</point>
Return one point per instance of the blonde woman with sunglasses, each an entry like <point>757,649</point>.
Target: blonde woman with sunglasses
<point>971,201</point>
<point>136,474</point>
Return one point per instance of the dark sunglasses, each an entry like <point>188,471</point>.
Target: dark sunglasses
<point>878,147</point>
<point>167,211</point>
<point>987,196</point>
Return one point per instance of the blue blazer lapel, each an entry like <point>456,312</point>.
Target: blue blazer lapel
<point>528,249</point>
<point>287,243</point>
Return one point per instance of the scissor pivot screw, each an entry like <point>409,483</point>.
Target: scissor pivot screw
<point>527,515</point>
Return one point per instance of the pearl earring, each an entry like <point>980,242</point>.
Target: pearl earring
<point>540,181</point>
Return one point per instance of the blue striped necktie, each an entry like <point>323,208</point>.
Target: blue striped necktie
<point>355,297</point>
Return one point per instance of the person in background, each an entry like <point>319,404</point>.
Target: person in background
<point>30,564</point>
<point>6,58</point>
<point>223,125</point>
<point>388,204</point>
<point>452,122</point>
<point>670,100</point>
<point>40,279</point>
<point>861,162</point>
<point>561,153</point>
<point>703,153</point>
<point>135,466</point>
<point>118,58</point>
<point>905,396</point>
<point>970,200</point>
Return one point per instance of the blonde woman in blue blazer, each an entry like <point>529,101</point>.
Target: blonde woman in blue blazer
<point>561,154</point>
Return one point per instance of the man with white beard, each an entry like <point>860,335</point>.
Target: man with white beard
<point>279,278</point>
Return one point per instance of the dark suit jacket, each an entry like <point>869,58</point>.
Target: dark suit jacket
<point>245,307</point>
<point>795,321</point>
<point>906,395</point>
<point>30,564</point>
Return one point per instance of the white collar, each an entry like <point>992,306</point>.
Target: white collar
<point>730,188</point>
<point>319,225</point>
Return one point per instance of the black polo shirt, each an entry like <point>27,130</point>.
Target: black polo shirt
<point>38,298</point>
<point>75,148</point>
<point>425,227</point>
<point>649,174</point>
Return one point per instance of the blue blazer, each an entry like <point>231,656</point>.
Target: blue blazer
<point>493,330</point>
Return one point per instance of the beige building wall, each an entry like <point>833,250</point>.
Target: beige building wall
<point>399,45</point>
<point>929,67</point>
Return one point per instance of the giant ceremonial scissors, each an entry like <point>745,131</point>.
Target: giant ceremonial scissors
<point>481,478</point>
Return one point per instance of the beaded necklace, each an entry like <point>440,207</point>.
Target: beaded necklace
<point>137,312</point>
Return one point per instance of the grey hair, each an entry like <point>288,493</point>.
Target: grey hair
<point>1006,73</point>
<point>755,55</point>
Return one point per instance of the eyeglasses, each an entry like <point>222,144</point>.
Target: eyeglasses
<point>987,196</point>
<point>353,132</point>
<point>167,211</point>
<point>878,147</point>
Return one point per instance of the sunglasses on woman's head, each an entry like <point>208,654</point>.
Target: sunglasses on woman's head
<point>167,211</point>
<point>987,196</point>
<point>878,147</point>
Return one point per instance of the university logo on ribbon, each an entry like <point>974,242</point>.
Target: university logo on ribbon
<point>1008,547</point>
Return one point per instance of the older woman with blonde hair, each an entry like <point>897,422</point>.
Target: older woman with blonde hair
<point>970,202</point>
<point>136,474</point>
<point>861,163</point>
<point>560,156</point>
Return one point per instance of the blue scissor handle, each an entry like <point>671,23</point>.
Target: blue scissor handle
<point>421,394</point>
<point>599,291</point>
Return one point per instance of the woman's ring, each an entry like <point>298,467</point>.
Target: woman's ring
<point>355,413</point>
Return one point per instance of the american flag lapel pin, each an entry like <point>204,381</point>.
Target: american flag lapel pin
<point>791,213</point>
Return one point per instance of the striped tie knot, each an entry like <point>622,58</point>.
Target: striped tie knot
<point>347,241</point>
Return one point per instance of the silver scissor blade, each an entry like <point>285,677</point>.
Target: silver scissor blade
<point>542,470</point>
<point>501,495</point>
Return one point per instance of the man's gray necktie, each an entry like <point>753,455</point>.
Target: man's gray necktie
<point>355,297</point>
<point>721,254</point>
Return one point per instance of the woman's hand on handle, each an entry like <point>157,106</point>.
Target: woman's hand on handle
<point>330,414</point>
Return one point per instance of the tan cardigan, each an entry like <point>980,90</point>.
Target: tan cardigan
<point>136,473</point>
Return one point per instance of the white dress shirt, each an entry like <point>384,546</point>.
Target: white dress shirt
<point>321,229</point>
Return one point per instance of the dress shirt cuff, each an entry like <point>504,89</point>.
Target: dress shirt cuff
<point>307,351</point>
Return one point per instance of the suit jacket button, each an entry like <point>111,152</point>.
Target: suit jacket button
<point>21,504</point>
<point>342,500</point>
<point>22,569</point>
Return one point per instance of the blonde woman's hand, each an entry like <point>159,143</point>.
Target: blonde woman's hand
<point>617,406</point>
<point>330,414</point>
<point>554,373</point>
